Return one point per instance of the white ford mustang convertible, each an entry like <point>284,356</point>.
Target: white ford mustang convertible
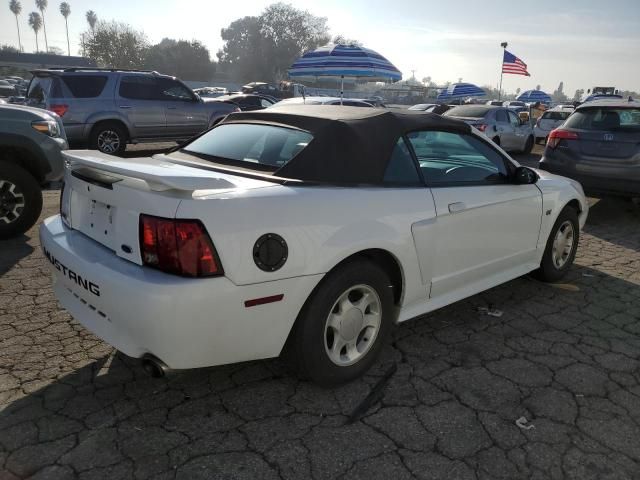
<point>305,230</point>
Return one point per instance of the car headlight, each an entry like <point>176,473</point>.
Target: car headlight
<point>48,127</point>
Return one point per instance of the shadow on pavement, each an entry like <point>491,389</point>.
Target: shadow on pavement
<point>12,251</point>
<point>615,220</point>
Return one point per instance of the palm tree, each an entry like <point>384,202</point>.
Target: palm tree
<point>35,22</point>
<point>92,19</point>
<point>42,6</point>
<point>65,10</point>
<point>16,9</point>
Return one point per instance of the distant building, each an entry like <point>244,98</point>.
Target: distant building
<point>29,61</point>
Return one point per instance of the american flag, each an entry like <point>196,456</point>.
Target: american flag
<point>512,64</point>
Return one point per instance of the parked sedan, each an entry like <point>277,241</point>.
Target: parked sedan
<point>346,102</point>
<point>438,108</point>
<point>248,102</point>
<point>296,230</point>
<point>7,89</point>
<point>599,145</point>
<point>500,124</point>
<point>550,120</point>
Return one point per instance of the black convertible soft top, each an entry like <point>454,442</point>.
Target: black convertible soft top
<point>351,145</point>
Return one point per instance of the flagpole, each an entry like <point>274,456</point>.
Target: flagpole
<point>504,47</point>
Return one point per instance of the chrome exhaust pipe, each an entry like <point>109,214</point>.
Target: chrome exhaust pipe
<point>154,367</point>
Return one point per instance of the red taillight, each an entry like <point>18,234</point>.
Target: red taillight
<point>482,127</point>
<point>59,109</point>
<point>181,247</point>
<point>558,134</point>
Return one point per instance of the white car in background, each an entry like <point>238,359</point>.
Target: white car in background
<point>308,230</point>
<point>550,120</point>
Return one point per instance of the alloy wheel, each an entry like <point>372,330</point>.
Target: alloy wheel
<point>562,244</point>
<point>11,202</point>
<point>352,325</point>
<point>108,141</point>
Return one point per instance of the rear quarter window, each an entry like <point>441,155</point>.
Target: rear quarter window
<point>85,86</point>
<point>261,147</point>
<point>43,88</point>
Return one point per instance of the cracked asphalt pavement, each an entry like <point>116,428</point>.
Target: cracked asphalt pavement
<point>564,357</point>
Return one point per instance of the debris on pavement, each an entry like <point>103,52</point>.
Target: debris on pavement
<point>374,395</point>
<point>522,423</point>
<point>492,312</point>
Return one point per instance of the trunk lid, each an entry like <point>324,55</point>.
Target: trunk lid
<point>104,196</point>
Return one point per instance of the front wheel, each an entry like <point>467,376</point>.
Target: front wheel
<point>343,326</point>
<point>20,200</point>
<point>561,248</point>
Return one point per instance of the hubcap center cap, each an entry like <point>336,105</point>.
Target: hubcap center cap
<point>351,324</point>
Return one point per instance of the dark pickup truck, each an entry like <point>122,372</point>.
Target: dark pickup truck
<point>31,144</point>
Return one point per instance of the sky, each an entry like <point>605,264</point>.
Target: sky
<point>583,43</point>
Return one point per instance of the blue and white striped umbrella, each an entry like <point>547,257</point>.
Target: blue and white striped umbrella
<point>534,96</point>
<point>345,61</point>
<point>461,90</point>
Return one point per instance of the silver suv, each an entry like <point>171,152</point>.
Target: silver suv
<point>106,109</point>
<point>500,124</point>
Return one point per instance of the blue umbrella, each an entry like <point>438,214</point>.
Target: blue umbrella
<point>461,90</point>
<point>344,61</point>
<point>534,96</point>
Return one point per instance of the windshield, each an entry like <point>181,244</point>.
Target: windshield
<point>473,111</point>
<point>556,115</point>
<point>605,119</point>
<point>261,147</point>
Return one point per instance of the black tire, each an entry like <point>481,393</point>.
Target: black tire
<point>496,140</point>
<point>17,186</point>
<point>549,271</point>
<point>108,137</point>
<point>528,146</point>
<point>307,345</point>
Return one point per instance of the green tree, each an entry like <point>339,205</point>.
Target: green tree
<point>42,6</point>
<point>116,45</point>
<point>16,8</point>
<point>35,22</point>
<point>65,10</point>
<point>264,47</point>
<point>243,55</point>
<point>92,19</point>
<point>180,58</point>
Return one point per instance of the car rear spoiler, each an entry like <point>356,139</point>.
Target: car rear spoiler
<point>158,174</point>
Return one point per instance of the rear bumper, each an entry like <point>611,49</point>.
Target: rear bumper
<point>623,185</point>
<point>187,323</point>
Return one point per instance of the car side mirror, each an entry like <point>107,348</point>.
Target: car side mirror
<point>525,176</point>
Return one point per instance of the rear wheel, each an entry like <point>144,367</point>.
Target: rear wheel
<point>108,137</point>
<point>343,326</point>
<point>20,200</point>
<point>496,140</point>
<point>561,248</point>
<point>528,146</point>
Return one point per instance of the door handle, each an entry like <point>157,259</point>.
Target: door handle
<point>457,207</point>
<point>125,106</point>
<point>171,108</point>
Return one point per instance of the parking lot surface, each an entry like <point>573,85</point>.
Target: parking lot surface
<point>548,389</point>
